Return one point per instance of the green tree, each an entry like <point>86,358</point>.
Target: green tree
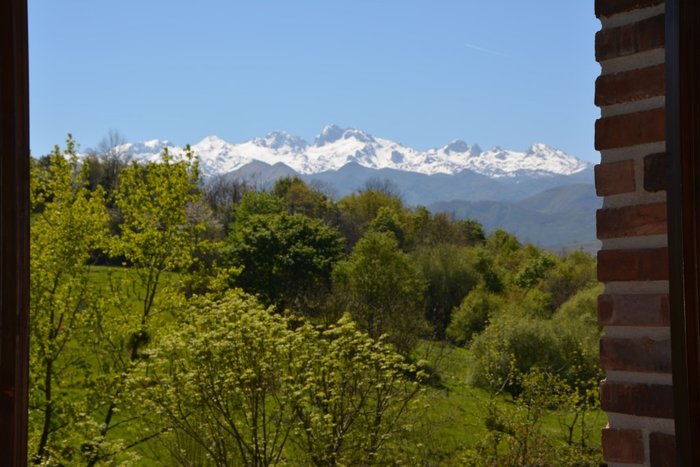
<point>350,393</point>
<point>514,343</point>
<point>156,237</point>
<point>472,315</point>
<point>534,270</point>
<point>359,209</point>
<point>287,260</point>
<point>222,193</point>
<point>574,272</point>
<point>472,230</point>
<point>450,273</point>
<point>71,225</point>
<point>300,198</point>
<point>383,290</point>
<point>236,383</point>
<point>579,335</point>
<point>516,432</point>
<point>221,381</point>
<point>388,220</point>
<point>256,203</point>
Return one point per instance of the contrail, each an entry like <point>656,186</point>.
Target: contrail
<point>488,51</point>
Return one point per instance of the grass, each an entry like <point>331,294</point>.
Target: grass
<point>455,419</point>
<point>452,419</point>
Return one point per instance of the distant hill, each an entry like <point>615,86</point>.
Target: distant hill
<point>558,218</point>
<point>417,188</point>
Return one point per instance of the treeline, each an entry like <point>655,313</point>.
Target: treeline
<point>240,326</point>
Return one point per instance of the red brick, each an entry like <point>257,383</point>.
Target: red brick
<point>655,169</point>
<point>604,8</point>
<point>633,265</point>
<point>630,39</point>
<point>614,178</point>
<point>630,86</point>
<point>629,221</point>
<point>623,446</point>
<point>644,400</point>
<point>634,310</point>
<point>662,450</point>
<point>648,126</point>
<point>635,354</point>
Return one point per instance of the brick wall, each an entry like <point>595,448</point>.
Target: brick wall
<point>633,261</point>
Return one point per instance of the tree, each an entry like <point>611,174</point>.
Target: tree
<point>427,229</point>
<point>156,236</point>
<point>472,315</point>
<point>71,225</point>
<point>256,203</point>
<point>450,274</point>
<point>221,380</point>
<point>388,220</point>
<point>517,434</point>
<point>514,343</point>
<point>503,243</point>
<point>350,392</point>
<point>383,290</point>
<point>383,185</point>
<point>472,230</point>
<point>300,198</point>
<point>574,272</point>
<point>236,383</point>
<point>441,229</point>
<point>106,162</point>
<point>287,260</point>
<point>222,193</point>
<point>359,209</point>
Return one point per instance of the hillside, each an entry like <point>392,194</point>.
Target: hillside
<point>558,218</point>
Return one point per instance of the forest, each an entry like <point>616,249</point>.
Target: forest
<point>181,322</point>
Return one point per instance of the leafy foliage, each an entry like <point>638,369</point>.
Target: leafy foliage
<point>239,383</point>
<point>515,433</point>
<point>221,379</point>
<point>382,289</point>
<point>450,273</point>
<point>472,316</point>
<point>156,236</point>
<point>285,258</point>
<point>71,225</point>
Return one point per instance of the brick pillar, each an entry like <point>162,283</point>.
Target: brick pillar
<point>633,262</point>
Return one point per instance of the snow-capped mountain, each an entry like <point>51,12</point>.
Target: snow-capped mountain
<point>336,147</point>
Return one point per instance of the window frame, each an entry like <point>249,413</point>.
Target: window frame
<point>14,232</point>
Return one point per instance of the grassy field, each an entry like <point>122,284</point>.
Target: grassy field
<point>452,419</point>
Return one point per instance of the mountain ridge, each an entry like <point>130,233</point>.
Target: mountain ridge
<point>335,147</point>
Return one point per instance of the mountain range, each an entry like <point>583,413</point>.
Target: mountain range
<point>336,147</point>
<point>542,194</point>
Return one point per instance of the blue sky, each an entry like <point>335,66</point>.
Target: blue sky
<point>497,72</point>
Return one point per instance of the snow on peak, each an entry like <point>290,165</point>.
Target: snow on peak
<point>329,134</point>
<point>335,147</point>
<point>212,142</point>
<point>539,148</point>
<point>359,135</point>
<point>281,139</point>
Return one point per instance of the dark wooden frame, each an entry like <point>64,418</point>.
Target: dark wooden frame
<point>14,232</point>
<point>683,150</point>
